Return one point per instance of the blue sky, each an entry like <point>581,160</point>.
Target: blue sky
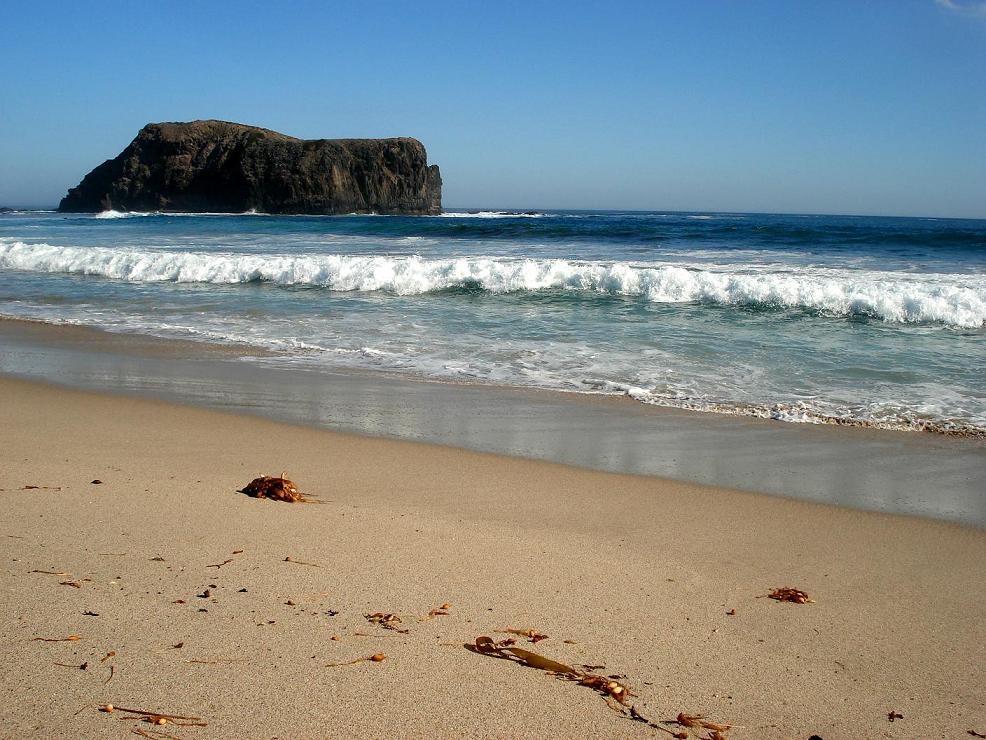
<point>874,107</point>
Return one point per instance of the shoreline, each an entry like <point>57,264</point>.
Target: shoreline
<point>665,323</point>
<point>634,573</point>
<point>899,472</point>
<point>779,412</point>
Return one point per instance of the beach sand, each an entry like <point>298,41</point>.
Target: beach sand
<point>636,574</point>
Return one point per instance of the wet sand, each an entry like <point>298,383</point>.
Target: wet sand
<point>897,472</point>
<point>633,573</point>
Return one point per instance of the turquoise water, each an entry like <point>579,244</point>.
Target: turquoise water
<point>874,321</point>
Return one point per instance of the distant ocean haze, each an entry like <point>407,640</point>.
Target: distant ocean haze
<point>871,321</point>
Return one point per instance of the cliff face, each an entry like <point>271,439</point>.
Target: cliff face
<point>225,167</point>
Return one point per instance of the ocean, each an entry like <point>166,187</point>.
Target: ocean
<point>808,319</point>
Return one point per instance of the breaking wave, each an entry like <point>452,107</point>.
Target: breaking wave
<point>952,299</point>
<point>109,215</point>
<point>490,214</point>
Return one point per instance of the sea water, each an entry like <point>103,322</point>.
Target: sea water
<point>815,319</point>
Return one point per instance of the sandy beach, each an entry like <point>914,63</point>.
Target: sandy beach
<point>615,371</point>
<point>636,576</point>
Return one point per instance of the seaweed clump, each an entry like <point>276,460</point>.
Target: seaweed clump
<point>274,488</point>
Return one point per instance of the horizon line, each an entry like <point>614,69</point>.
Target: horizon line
<point>524,209</point>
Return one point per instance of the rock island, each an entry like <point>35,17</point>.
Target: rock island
<point>222,167</point>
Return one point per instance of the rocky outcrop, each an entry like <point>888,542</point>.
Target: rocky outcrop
<point>215,166</point>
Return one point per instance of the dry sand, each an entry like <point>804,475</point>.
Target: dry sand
<point>638,573</point>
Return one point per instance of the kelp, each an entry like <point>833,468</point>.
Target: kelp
<point>154,717</point>
<point>532,636</point>
<point>275,488</point>
<point>608,687</point>
<point>386,620</point>
<point>616,693</point>
<point>697,721</point>
<point>289,559</point>
<point>375,658</point>
<point>792,595</point>
<point>438,611</point>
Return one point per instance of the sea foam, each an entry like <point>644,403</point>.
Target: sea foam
<point>111,214</point>
<point>491,214</point>
<point>952,299</point>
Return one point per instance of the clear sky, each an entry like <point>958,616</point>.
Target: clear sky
<point>854,106</point>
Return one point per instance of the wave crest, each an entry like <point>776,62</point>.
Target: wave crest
<point>955,300</point>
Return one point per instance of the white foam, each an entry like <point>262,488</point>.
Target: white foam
<point>491,214</point>
<point>952,299</point>
<point>111,214</point>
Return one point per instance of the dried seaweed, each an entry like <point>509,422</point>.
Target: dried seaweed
<point>110,654</point>
<point>610,688</point>
<point>109,709</point>
<point>73,584</point>
<point>217,566</point>
<point>697,721</point>
<point>375,658</point>
<point>386,620</point>
<point>974,733</point>
<point>289,559</point>
<point>70,638</point>
<point>52,572</point>
<point>634,714</point>
<point>110,677</point>
<point>160,719</point>
<point>439,611</point>
<point>274,488</point>
<point>532,635</point>
<point>792,595</point>
<point>893,716</point>
<point>678,734</point>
